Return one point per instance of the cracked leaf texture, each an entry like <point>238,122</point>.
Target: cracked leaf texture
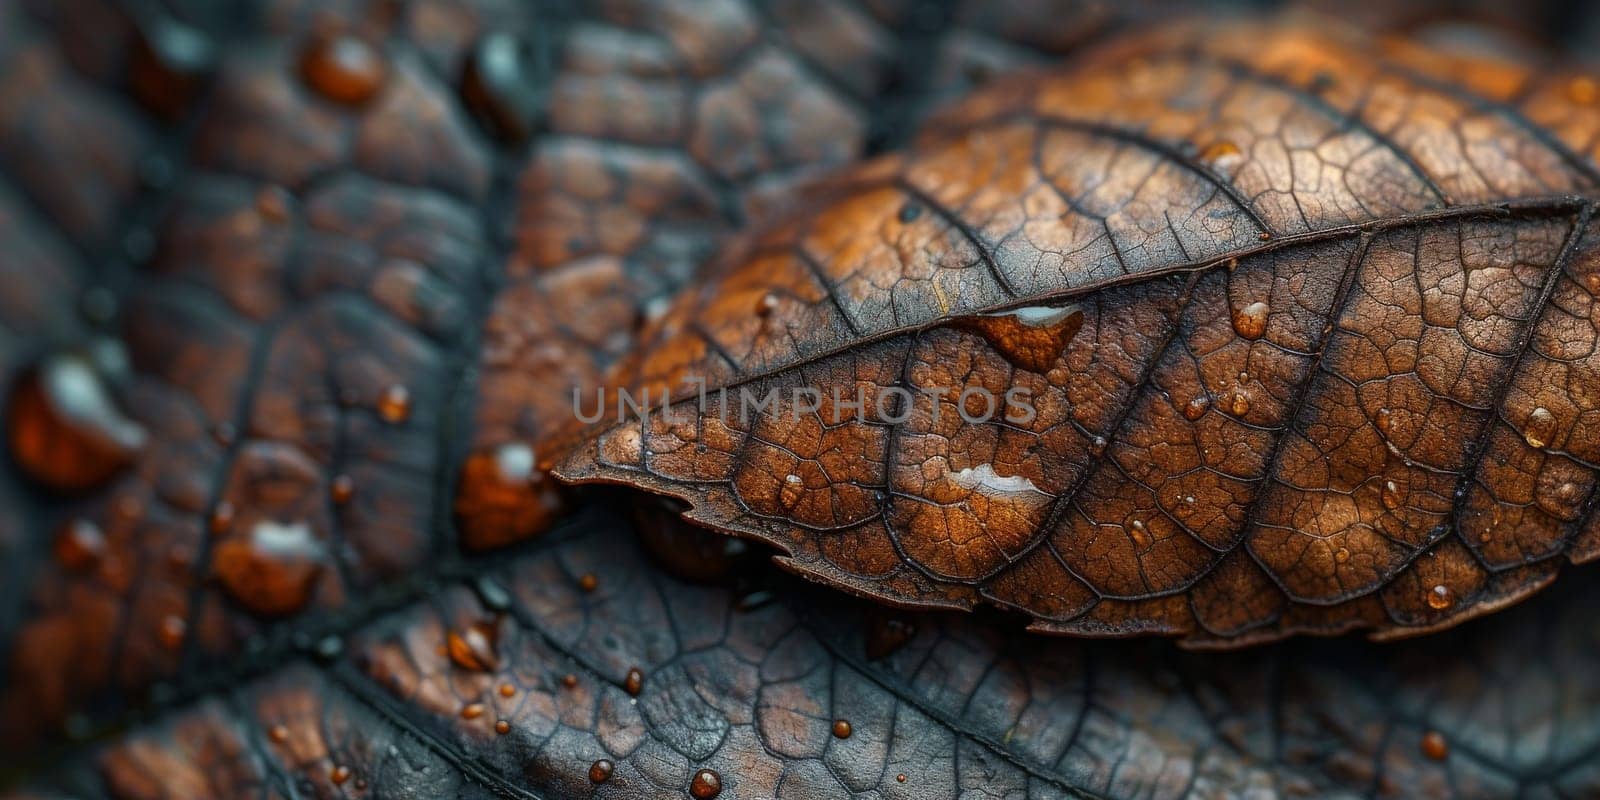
<point>1307,319</point>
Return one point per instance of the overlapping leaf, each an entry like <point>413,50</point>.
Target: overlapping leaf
<point>1307,324</point>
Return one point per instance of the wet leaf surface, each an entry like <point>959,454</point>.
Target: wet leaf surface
<point>303,287</point>
<point>1303,321</point>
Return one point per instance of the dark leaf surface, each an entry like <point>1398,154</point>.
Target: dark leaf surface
<point>956,705</point>
<point>333,268</point>
<point>1306,320</point>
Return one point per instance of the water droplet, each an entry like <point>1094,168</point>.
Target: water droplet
<point>502,727</point>
<point>909,212</point>
<point>569,680</point>
<point>588,582</point>
<point>1341,555</point>
<point>766,305</point>
<point>1434,746</point>
<point>1567,491</point>
<point>634,683</point>
<point>1223,156</point>
<point>1197,407</point>
<point>273,203</point>
<point>507,690</point>
<point>273,570</point>
<point>1251,321</point>
<point>1541,427</point>
<point>1441,598</point>
<point>343,68</point>
<point>395,404</point>
<point>493,596</point>
<point>221,518</point>
<point>65,430</point>
<point>172,631</point>
<point>1583,90</point>
<point>886,633</point>
<point>841,728</point>
<point>339,774</point>
<point>278,734</point>
<point>472,711</point>
<point>1033,338</point>
<point>342,489</point>
<point>1139,534</point>
<point>169,62</point>
<point>1392,495</point>
<point>499,86</point>
<point>1385,420</point>
<point>706,784</point>
<point>79,545</point>
<point>1240,404</point>
<point>472,648</point>
<point>901,777</point>
<point>600,771</point>
<point>1097,446</point>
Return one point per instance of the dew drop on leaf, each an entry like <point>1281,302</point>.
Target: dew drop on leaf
<point>343,68</point>
<point>1440,597</point>
<point>1251,321</point>
<point>705,785</point>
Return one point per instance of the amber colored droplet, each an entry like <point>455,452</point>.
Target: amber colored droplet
<point>273,203</point>
<point>342,489</point>
<point>395,404</point>
<point>706,784</point>
<point>1541,426</point>
<point>1196,408</point>
<point>1139,534</point>
<point>1392,495</point>
<point>339,774</point>
<point>600,771</point>
<point>842,729</point>
<point>1264,236</point>
<point>278,734</point>
<point>1441,598</point>
<point>79,545</point>
<point>1240,404</point>
<point>1583,90</point>
<point>569,680</point>
<point>1222,155</point>
<point>273,570</point>
<point>1341,555</point>
<point>472,648</point>
<point>507,690</point>
<point>588,582</point>
<point>901,777</point>
<point>472,711</point>
<point>502,727</point>
<point>343,68</point>
<point>766,305</point>
<point>1033,338</point>
<point>221,518</point>
<point>172,631</point>
<point>1251,321</point>
<point>64,429</point>
<point>1385,420</point>
<point>1435,746</point>
<point>634,683</point>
